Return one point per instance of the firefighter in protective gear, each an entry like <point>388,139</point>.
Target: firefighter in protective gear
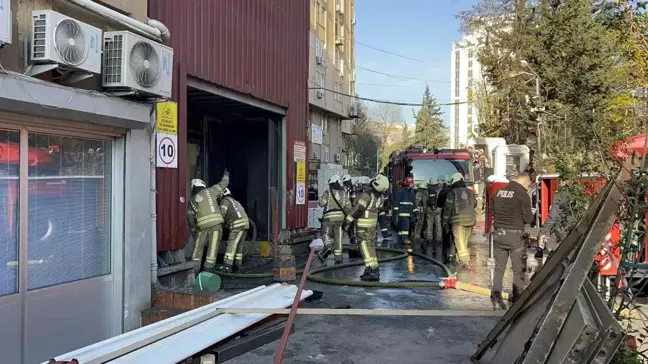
<point>205,217</point>
<point>433,230</point>
<point>237,221</point>
<point>336,206</point>
<point>420,205</point>
<point>382,217</point>
<point>458,216</point>
<point>365,213</point>
<point>403,208</point>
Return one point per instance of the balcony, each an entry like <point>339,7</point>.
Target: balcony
<point>347,126</point>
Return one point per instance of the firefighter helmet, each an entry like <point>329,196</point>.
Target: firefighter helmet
<point>227,192</point>
<point>335,179</point>
<point>380,183</point>
<point>198,183</point>
<point>433,181</point>
<point>346,179</point>
<point>456,178</point>
<point>409,181</point>
<point>422,185</point>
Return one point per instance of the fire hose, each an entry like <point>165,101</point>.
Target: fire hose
<point>450,281</point>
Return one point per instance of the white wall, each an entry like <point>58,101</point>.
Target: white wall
<point>460,130</point>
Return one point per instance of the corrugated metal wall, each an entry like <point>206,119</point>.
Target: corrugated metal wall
<point>255,47</point>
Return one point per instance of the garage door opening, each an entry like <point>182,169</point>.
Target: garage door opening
<point>227,134</point>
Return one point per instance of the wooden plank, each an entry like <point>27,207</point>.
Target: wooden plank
<point>364,312</point>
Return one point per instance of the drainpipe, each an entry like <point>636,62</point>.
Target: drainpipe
<point>154,29</point>
<point>153,192</point>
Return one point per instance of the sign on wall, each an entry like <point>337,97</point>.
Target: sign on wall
<point>167,134</point>
<point>299,151</point>
<point>300,194</point>
<point>316,134</point>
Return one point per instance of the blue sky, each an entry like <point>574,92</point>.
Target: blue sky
<point>420,29</point>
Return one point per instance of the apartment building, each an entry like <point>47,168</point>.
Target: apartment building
<point>331,79</point>
<point>465,77</point>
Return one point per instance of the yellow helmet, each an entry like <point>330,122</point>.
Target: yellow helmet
<point>422,185</point>
<point>380,183</point>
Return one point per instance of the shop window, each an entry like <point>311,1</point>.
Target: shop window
<point>9,228</point>
<point>69,216</point>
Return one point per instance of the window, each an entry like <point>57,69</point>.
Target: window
<point>456,88</point>
<point>338,89</point>
<point>69,215</point>
<point>318,47</point>
<point>424,169</point>
<point>326,153</point>
<point>513,163</point>
<point>457,56</point>
<point>471,54</point>
<point>324,124</point>
<point>9,226</point>
<point>470,63</point>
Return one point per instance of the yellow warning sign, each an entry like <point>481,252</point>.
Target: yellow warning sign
<point>301,172</point>
<point>167,117</point>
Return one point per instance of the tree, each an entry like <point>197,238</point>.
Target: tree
<point>429,130</point>
<point>387,118</point>
<point>362,145</point>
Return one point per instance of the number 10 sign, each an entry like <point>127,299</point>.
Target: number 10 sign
<point>167,150</point>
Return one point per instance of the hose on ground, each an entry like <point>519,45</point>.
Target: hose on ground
<point>401,254</point>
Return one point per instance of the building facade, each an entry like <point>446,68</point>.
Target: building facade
<point>331,79</point>
<point>465,80</point>
<point>241,83</point>
<point>75,240</point>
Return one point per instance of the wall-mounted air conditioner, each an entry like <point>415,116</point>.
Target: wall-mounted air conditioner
<point>135,64</point>
<point>319,59</point>
<point>58,41</point>
<point>320,94</point>
<point>339,40</point>
<point>337,157</point>
<point>5,21</point>
<point>316,155</point>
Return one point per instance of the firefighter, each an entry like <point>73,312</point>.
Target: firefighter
<point>348,184</point>
<point>382,217</point>
<point>206,219</point>
<point>237,221</point>
<point>336,206</point>
<point>511,210</point>
<point>458,216</point>
<point>404,206</point>
<point>420,205</point>
<point>433,230</point>
<point>365,213</point>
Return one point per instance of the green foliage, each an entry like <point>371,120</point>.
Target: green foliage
<point>363,144</point>
<point>429,129</point>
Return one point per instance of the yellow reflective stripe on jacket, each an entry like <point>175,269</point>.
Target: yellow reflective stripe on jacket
<point>406,203</point>
<point>334,214</point>
<point>366,222</point>
<point>240,223</point>
<point>404,214</point>
<point>210,220</point>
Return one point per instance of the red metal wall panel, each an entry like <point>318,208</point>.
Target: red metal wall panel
<point>255,47</point>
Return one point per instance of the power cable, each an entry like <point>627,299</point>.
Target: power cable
<point>388,52</point>
<point>398,103</point>
<point>399,77</point>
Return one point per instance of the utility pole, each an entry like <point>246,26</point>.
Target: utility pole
<point>539,110</point>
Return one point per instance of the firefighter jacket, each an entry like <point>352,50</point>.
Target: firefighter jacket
<point>443,195</point>
<point>234,213</point>
<point>421,202</point>
<point>204,205</point>
<point>459,208</point>
<point>336,204</point>
<point>433,196</point>
<point>404,202</point>
<point>511,207</point>
<point>367,207</point>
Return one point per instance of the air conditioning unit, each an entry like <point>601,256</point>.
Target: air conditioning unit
<point>319,59</point>
<point>135,64</point>
<point>339,8</point>
<point>353,76</point>
<point>320,94</point>
<point>353,112</point>
<point>58,41</point>
<point>316,155</point>
<point>337,157</point>
<point>5,21</point>
<point>339,40</point>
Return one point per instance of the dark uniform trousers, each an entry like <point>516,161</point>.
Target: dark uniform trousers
<point>434,232</point>
<point>509,243</point>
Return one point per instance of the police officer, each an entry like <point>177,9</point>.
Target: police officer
<point>458,216</point>
<point>433,230</point>
<point>420,205</point>
<point>237,221</point>
<point>205,217</point>
<point>403,207</point>
<point>511,209</point>
<point>365,213</point>
<point>336,205</point>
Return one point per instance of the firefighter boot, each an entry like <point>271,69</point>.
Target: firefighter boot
<point>498,301</point>
<point>324,253</point>
<point>371,274</point>
<point>515,295</point>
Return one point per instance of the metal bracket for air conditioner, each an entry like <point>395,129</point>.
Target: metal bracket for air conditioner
<point>67,76</point>
<point>560,318</point>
